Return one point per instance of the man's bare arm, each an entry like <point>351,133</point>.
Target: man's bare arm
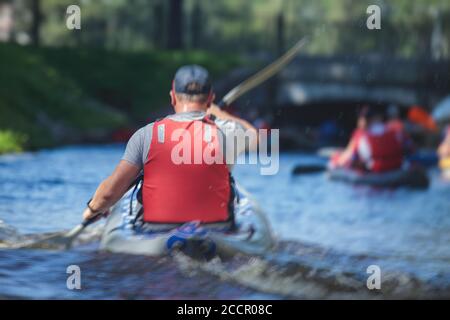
<point>112,188</point>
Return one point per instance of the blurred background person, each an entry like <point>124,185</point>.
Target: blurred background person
<point>379,149</point>
<point>444,151</point>
<point>345,159</point>
<point>397,125</point>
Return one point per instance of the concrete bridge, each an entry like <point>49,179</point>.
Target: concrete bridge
<point>357,79</point>
<point>313,90</point>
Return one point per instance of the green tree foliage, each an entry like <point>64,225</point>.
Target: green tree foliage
<point>336,26</point>
<point>65,95</point>
<point>11,141</point>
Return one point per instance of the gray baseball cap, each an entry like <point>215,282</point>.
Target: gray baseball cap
<point>192,79</point>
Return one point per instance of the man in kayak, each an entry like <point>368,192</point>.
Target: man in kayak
<point>184,158</point>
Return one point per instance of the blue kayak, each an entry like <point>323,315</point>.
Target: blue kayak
<point>423,158</point>
<point>415,178</point>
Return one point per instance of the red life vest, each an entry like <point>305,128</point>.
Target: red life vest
<point>175,191</point>
<point>386,151</point>
<point>396,126</point>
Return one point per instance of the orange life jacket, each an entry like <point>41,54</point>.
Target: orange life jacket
<point>175,192</point>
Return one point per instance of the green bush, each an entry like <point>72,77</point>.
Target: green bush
<point>11,141</point>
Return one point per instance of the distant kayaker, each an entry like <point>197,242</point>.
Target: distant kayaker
<point>174,190</point>
<point>396,124</point>
<point>372,147</point>
<point>378,148</point>
<point>444,151</point>
<point>346,158</point>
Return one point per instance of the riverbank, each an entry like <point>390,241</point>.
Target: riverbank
<point>56,96</point>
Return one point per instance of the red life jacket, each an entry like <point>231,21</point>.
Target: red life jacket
<point>178,193</point>
<point>386,151</point>
<point>396,126</point>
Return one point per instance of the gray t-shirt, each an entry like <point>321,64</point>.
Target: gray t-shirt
<point>138,146</point>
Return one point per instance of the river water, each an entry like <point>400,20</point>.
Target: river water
<point>328,234</point>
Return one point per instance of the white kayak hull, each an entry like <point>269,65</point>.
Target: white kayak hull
<point>252,235</point>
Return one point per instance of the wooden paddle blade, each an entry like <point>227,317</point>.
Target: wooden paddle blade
<point>262,75</point>
<point>58,240</point>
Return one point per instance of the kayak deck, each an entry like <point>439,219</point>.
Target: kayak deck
<point>252,234</point>
<point>415,178</point>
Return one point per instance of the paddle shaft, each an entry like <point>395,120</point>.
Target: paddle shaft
<point>262,75</point>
